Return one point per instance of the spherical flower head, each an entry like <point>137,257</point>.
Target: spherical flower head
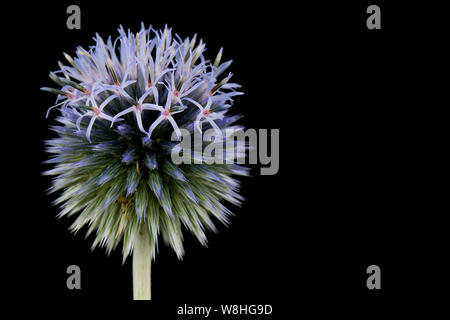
<point>119,102</point>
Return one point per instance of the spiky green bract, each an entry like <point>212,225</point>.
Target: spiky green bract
<point>117,177</point>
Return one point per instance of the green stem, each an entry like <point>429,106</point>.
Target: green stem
<point>142,259</point>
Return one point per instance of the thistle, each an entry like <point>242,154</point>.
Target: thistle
<point>120,103</point>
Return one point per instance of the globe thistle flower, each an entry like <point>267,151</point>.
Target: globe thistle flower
<point>119,103</point>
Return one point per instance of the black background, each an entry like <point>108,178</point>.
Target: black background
<point>352,189</point>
